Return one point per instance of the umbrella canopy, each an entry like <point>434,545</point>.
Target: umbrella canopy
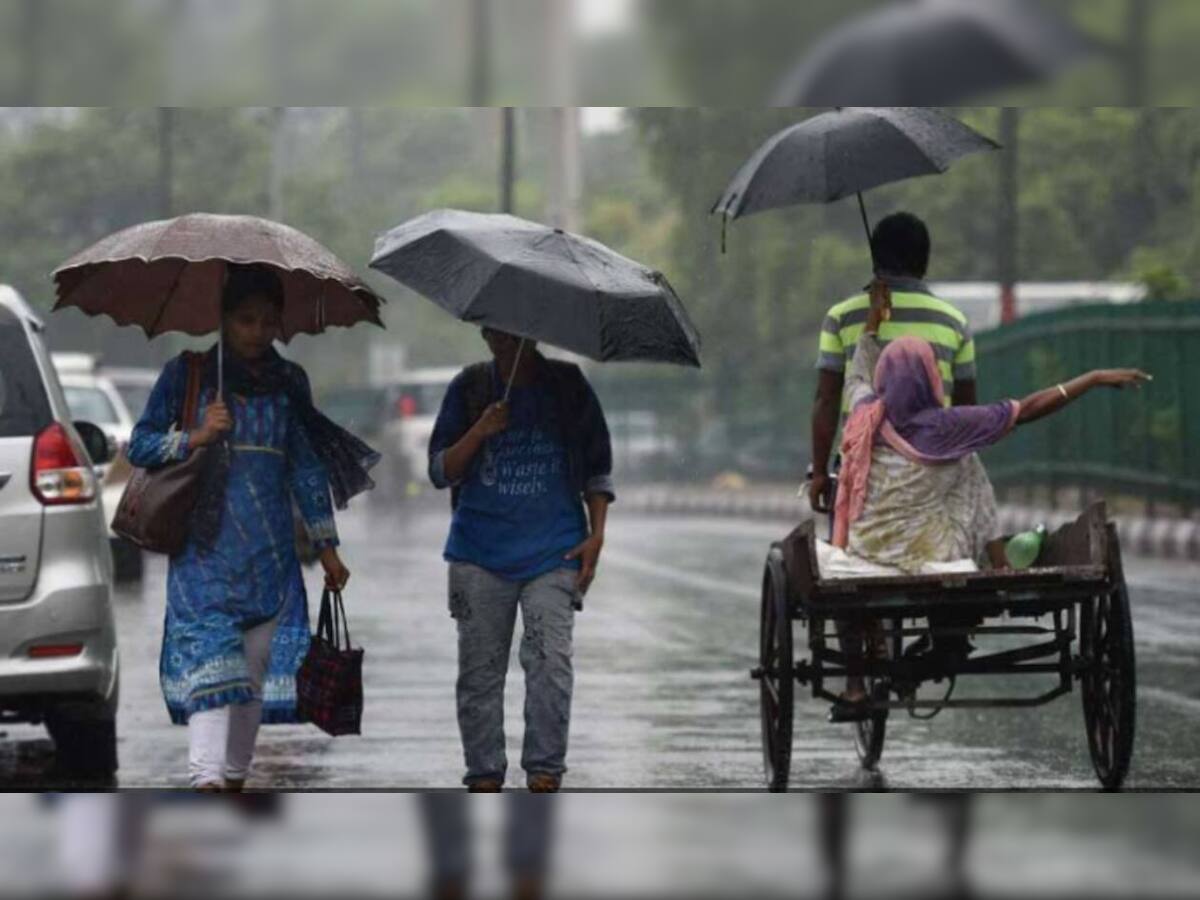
<point>168,276</point>
<point>845,152</point>
<point>935,53</point>
<point>540,283</point>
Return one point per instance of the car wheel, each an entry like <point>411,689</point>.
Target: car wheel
<point>85,744</point>
<point>85,740</point>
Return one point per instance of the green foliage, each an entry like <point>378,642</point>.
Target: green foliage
<point>1152,267</point>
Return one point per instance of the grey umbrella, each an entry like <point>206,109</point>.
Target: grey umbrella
<point>935,53</point>
<point>540,283</point>
<point>844,152</point>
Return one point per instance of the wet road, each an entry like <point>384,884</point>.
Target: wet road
<point>677,845</point>
<point>663,699</point>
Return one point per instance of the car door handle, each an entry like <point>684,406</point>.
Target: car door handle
<point>5,477</point>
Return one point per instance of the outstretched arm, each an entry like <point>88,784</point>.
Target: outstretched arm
<point>1051,400</point>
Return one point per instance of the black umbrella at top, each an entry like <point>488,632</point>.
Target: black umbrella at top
<point>935,53</point>
<point>847,151</point>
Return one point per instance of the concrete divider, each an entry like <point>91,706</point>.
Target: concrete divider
<point>1166,537</point>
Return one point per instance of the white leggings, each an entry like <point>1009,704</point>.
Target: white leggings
<point>221,740</point>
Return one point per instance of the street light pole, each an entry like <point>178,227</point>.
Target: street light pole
<point>508,158</point>
<point>31,69</point>
<point>166,161</point>
<point>481,54</point>
<point>1007,247</point>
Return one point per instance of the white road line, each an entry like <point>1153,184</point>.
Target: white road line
<point>680,576</point>
<point>1171,698</point>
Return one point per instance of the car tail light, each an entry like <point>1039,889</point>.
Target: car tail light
<point>406,406</point>
<point>52,651</point>
<point>60,473</point>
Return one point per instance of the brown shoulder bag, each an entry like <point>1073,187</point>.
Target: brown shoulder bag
<point>156,507</point>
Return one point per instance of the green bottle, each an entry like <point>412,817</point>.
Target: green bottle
<point>1022,549</point>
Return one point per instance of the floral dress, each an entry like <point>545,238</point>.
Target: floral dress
<point>918,514</point>
<point>252,574</point>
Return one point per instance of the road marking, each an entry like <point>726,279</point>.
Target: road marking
<point>1171,698</point>
<point>670,573</point>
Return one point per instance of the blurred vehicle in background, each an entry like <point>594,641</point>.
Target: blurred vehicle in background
<point>642,448</point>
<point>756,451</point>
<point>58,649</point>
<point>133,384</point>
<point>370,412</point>
<point>93,395</point>
<point>416,399</point>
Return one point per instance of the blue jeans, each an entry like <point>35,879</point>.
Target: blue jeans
<point>485,608</point>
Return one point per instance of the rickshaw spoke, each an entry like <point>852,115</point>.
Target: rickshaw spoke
<point>772,689</point>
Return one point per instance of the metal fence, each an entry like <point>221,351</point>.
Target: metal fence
<point>1138,443</point>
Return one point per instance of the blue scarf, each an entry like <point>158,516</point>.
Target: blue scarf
<point>347,459</point>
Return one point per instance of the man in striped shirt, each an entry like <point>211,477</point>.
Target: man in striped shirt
<point>900,246</point>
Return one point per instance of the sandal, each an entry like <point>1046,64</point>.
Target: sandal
<point>850,710</point>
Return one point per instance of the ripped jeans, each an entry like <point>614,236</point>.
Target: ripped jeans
<point>485,608</point>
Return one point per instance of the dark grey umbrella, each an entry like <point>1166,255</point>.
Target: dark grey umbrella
<point>935,53</point>
<point>846,152</point>
<point>540,283</point>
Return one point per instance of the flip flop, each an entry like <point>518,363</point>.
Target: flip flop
<point>850,711</point>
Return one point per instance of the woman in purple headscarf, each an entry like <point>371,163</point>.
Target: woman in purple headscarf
<point>912,491</point>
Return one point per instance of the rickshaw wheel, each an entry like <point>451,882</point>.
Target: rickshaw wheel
<point>870,732</point>
<point>1109,687</point>
<point>777,682</point>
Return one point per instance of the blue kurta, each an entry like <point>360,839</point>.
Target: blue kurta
<point>252,573</point>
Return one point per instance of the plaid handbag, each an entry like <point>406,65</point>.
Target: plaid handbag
<point>329,684</point>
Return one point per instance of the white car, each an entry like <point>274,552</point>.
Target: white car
<point>133,385</point>
<point>94,396</point>
<point>58,646</point>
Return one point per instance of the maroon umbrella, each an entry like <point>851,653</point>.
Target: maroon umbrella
<point>168,276</point>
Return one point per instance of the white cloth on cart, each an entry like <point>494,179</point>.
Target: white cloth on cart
<point>834,562</point>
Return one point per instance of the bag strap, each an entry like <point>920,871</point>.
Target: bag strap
<point>476,397</point>
<point>325,619</point>
<point>339,611</point>
<point>333,610</point>
<point>477,391</point>
<point>191,396</point>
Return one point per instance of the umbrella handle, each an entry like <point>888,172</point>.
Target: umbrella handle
<point>862,209</point>
<point>221,339</point>
<point>513,374</point>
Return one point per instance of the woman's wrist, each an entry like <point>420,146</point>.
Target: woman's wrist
<point>1081,385</point>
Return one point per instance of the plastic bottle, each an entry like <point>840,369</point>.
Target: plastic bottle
<point>1022,549</point>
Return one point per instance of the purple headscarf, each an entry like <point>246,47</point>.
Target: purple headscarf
<point>906,414</point>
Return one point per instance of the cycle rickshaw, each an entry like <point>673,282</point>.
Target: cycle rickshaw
<point>1069,615</point>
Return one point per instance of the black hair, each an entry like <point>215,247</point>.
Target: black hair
<point>249,280</point>
<point>900,245</point>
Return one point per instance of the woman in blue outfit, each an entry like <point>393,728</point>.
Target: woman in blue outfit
<point>236,626</point>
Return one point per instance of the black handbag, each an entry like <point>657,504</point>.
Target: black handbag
<point>329,689</point>
<point>156,506</point>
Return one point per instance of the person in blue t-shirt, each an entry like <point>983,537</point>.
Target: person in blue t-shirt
<point>521,474</point>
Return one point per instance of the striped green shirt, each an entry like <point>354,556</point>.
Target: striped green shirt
<point>915,312</point>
